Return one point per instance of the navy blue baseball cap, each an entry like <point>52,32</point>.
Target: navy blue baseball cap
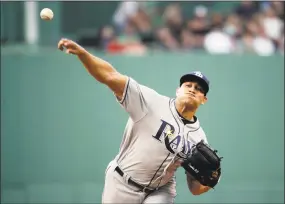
<point>196,76</point>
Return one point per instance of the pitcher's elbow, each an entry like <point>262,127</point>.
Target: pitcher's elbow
<point>196,191</point>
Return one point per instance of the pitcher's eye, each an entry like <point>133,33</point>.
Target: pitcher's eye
<point>200,89</point>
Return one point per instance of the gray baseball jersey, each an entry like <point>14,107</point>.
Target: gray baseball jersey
<point>155,135</point>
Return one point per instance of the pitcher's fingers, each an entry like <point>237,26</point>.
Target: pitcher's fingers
<point>60,44</point>
<point>63,41</point>
<point>71,51</point>
<point>70,44</point>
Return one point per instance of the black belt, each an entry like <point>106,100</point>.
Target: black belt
<point>130,181</point>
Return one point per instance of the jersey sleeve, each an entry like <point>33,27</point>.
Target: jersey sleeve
<point>136,99</point>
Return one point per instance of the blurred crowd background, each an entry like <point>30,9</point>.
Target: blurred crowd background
<point>139,26</point>
<point>246,26</point>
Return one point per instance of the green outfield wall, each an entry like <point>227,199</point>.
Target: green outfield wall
<point>60,127</point>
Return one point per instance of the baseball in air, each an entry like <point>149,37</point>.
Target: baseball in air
<point>46,14</point>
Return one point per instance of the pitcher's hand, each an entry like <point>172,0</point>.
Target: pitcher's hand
<point>70,46</point>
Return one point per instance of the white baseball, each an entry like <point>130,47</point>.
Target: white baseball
<point>46,14</point>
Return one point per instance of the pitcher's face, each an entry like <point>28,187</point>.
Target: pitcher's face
<point>191,94</point>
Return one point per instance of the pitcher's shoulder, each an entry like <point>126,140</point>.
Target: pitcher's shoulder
<point>155,95</point>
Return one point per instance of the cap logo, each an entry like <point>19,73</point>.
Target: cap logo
<point>199,74</point>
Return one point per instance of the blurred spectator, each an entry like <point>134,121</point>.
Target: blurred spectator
<point>131,19</point>
<point>258,41</point>
<point>246,9</point>
<point>173,20</point>
<point>199,25</point>
<point>166,39</point>
<point>123,13</point>
<point>277,6</point>
<point>272,24</point>
<point>107,35</point>
<point>188,40</point>
<point>263,46</point>
<point>218,42</point>
<point>141,21</point>
<point>247,42</point>
<point>233,26</point>
<point>217,20</point>
<point>173,35</point>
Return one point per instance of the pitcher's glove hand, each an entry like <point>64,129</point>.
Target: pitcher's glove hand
<point>203,164</point>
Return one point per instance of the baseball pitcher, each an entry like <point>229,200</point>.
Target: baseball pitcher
<point>161,135</point>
